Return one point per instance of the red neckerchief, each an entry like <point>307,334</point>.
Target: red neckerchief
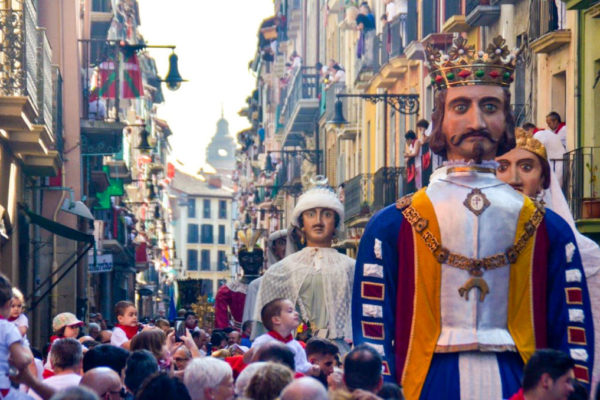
<point>559,127</point>
<point>130,331</point>
<point>518,396</point>
<point>11,319</point>
<point>53,338</point>
<point>277,336</point>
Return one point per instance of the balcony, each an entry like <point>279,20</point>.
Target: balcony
<point>367,65</point>
<point>547,27</point>
<point>101,129</point>
<point>101,11</point>
<point>27,91</point>
<point>301,106</point>
<point>358,192</point>
<point>115,236</point>
<point>386,182</point>
<point>480,13</point>
<point>393,39</point>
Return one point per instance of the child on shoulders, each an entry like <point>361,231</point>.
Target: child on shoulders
<point>127,324</point>
<point>281,319</point>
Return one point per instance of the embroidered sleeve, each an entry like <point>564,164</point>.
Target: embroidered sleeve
<point>373,298</point>
<point>570,324</point>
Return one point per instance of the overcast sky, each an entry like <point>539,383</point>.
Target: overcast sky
<point>215,40</point>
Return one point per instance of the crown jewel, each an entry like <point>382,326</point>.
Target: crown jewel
<point>526,141</point>
<point>462,66</point>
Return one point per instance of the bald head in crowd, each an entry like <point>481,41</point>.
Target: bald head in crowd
<point>305,388</point>
<point>104,337</point>
<point>102,380</point>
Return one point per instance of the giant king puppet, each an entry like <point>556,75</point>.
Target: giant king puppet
<point>458,284</point>
<point>231,297</point>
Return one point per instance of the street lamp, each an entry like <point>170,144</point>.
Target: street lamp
<point>173,79</point>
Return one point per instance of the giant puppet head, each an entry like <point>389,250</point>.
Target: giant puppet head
<point>250,255</point>
<point>472,118</point>
<point>319,213</point>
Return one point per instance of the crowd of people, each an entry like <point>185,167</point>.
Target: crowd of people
<point>179,360</point>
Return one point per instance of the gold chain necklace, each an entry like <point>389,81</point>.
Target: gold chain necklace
<point>475,266</point>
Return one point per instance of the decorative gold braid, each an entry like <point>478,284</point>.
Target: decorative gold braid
<point>475,266</point>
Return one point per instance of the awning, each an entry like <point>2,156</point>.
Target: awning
<point>59,229</point>
<point>70,262</point>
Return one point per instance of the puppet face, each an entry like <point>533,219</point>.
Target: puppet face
<point>251,261</point>
<point>474,121</point>
<point>318,226</point>
<point>522,170</point>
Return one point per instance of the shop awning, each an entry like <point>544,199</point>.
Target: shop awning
<point>70,262</point>
<point>59,229</point>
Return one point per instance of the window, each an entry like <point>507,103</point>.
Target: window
<point>191,208</point>
<point>222,209</point>
<point>221,234</point>
<point>222,257</point>
<point>205,260</point>
<point>206,212</point>
<point>192,260</point>
<point>207,234</point>
<point>192,233</point>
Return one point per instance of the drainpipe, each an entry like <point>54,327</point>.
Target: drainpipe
<point>579,88</point>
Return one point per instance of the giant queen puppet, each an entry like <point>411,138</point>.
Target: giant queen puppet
<point>458,284</point>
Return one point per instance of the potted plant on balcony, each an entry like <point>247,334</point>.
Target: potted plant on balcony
<point>591,205</point>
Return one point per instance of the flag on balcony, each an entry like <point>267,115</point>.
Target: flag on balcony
<point>132,77</point>
<point>103,81</point>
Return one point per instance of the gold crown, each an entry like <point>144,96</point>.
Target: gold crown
<point>526,141</point>
<point>462,67</point>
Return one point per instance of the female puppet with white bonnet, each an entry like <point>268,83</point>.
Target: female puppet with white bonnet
<point>317,279</point>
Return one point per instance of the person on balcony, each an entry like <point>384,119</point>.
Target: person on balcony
<point>556,125</point>
<point>527,169</point>
<point>459,284</point>
<point>426,156</point>
<point>412,160</point>
<point>317,278</point>
<point>365,23</point>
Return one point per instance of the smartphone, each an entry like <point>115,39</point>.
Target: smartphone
<point>179,330</point>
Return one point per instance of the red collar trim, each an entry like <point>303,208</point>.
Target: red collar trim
<point>559,127</point>
<point>277,336</point>
<point>130,331</point>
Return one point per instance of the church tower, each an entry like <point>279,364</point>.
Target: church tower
<point>220,152</point>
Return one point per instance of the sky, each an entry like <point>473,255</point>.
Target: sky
<point>215,40</point>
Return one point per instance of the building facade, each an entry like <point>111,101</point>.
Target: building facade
<point>294,101</point>
<point>203,234</point>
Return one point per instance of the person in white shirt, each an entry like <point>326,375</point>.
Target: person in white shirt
<point>554,149</point>
<point>11,343</point>
<point>556,125</point>
<point>66,357</point>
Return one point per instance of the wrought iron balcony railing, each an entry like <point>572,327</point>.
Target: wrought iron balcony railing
<point>303,85</point>
<point>369,50</point>
<point>580,177</point>
<point>386,182</point>
<point>25,60</point>
<point>358,192</point>
<point>393,38</point>
<point>545,16</point>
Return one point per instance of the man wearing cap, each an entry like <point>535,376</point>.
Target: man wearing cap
<point>317,279</point>
<point>457,285</point>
